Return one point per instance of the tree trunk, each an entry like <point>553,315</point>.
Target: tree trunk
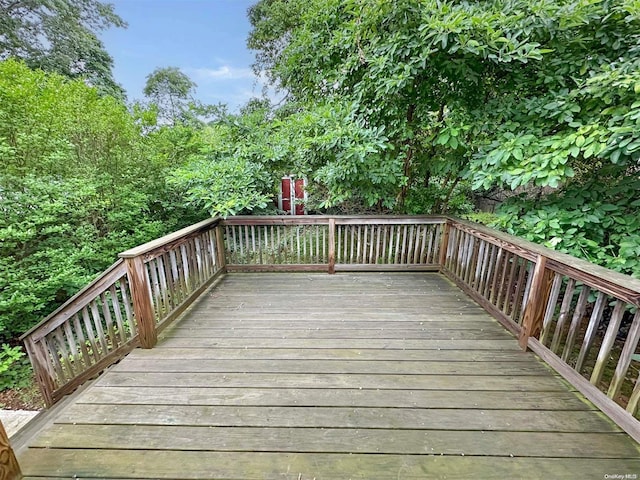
<point>408,160</point>
<point>432,150</point>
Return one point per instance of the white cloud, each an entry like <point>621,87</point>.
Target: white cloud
<point>224,72</point>
<point>232,85</point>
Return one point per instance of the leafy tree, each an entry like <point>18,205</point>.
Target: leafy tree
<point>500,94</point>
<point>61,36</point>
<point>597,220</point>
<point>80,181</point>
<point>171,90</point>
<point>384,57</point>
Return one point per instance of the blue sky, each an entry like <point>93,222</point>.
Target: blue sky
<point>206,39</point>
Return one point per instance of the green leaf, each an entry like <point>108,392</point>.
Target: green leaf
<point>517,154</point>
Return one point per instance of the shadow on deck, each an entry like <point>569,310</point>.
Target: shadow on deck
<point>315,376</point>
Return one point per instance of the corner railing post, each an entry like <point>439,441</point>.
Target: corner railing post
<point>536,303</point>
<point>332,245</point>
<point>9,468</point>
<point>444,243</point>
<point>142,306</point>
<point>220,254</point>
<point>40,369</point>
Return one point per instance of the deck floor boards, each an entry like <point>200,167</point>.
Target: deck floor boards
<point>314,376</point>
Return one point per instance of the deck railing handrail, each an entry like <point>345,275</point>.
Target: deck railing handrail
<point>123,307</point>
<point>553,302</point>
<point>613,282</point>
<point>332,243</point>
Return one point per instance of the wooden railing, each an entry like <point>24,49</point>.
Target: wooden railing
<point>582,319</point>
<point>332,244</point>
<point>125,306</point>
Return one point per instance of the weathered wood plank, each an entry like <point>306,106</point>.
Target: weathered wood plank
<point>229,319</point>
<point>330,381</point>
<point>362,343</point>
<point>297,466</point>
<point>591,331</point>
<point>331,440</point>
<point>536,302</point>
<point>607,342</point>
<point>466,323</point>
<point>352,354</point>
<point>427,334</point>
<point>172,365</point>
<point>576,321</point>
<point>340,417</point>
<point>307,397</point>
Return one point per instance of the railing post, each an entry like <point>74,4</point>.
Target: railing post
<point>9,468</point>
<point>444,243</point>
<point>537,300</point>
<point>220,254</point>
<point>41,370</point>
<point>332,245</point>
<point>142,306</point>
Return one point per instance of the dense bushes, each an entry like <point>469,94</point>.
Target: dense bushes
<point>79,182</point>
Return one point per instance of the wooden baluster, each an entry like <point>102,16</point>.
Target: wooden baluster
<point>332,245</point>
<point>607,342</point>
<point>565,308</point>
<point>409,250</point>
<point>628,350</point>
<point>220,250</point>
<point>391,238</point>
<point>444,245</point>
<point>551,307</point>
<point>9,468</point>
<point>536,303</point>
<point>142,306</point>
<point>576,321</point>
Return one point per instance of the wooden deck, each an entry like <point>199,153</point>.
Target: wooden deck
<point>315,376</point>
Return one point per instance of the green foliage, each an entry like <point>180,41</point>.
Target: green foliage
<point>52,126</point>
<point>61,36</point>
<point>225,187</point>
<point>14,368</point>
<point>80,181</point>
<point>597,220</point>
<point>346,158</point>
<point>171,91</point>
<point>454,199</point>
<point>506,94</point>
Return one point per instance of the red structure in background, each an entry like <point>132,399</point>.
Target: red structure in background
<point>293,195</point>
